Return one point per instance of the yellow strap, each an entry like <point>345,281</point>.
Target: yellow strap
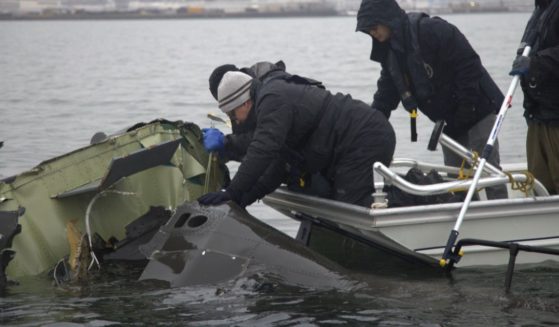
<point>465,173</point>
<point>462,173</point>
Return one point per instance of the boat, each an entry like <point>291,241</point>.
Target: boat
<point>521,229</point>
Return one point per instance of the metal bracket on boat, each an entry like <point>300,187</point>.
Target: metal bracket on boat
<point>513,247</point>
<point>436,135</point>
<point>493,175</point>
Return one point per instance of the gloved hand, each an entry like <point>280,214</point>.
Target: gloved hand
<point>520,66</point>
<point>213,139</point>
<point>214,198</point>
<point>465,115</point>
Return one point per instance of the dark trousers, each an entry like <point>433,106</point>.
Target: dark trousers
<point>542,151</point>
<point>353,178</point>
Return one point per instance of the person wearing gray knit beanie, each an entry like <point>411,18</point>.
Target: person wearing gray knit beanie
<point>233,146</point>
<point>233,94</point>
<point>301,125</point>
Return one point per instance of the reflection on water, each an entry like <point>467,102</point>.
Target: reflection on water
<point>472,298</point>
<point>62,81</point>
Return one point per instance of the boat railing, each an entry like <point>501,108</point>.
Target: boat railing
<point>493,176</point>
<point>392,178</point>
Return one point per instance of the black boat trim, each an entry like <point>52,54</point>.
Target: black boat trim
<point>514,248</point>
<point>508,241</point>
<point>335,228</point>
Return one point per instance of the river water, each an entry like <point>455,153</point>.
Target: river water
<point>62,81</point>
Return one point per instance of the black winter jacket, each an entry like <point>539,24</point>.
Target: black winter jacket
<point>303,122</point>
<point>434,60</point>
<point>236,144</point>
<point>541,84</point>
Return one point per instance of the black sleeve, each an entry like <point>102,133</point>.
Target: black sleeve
<point>236,145</point>
<point>273,123</point>
<point>272,178</point>
<point>386,97</point>
<point>545,64</point>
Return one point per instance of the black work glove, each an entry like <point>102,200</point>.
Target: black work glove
<point>465,115</point>
<point>520,66</point>
<point>214,198</point>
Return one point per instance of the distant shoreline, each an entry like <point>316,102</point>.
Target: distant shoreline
<point>146,15</point>
<point>163,15</point>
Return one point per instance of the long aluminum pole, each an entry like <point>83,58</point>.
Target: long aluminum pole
<point>486,153</point>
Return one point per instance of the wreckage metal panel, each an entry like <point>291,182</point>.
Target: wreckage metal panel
<point>43,240</point>
<point>208,245</point>
<point>88,164</point>
<point>139,161</point>
<point>128,165</point>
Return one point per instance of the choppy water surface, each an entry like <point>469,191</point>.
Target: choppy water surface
<point>63,81</point>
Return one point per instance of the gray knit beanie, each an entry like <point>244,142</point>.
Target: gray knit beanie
<point>233,90</point>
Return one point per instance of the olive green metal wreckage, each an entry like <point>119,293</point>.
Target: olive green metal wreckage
<point>99,190</point>
<point>128,197</point>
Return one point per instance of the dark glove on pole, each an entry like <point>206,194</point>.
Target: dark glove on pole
<point>520,66</point>
<point>214,198</point>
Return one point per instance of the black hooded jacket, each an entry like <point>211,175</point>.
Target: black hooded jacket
<point>433,61</point>
<point>541,84</point>
<point>305,122</point>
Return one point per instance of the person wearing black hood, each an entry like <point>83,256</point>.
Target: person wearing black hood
<point>428,64</point>
<point>540,83</point>
<point>333,134</point>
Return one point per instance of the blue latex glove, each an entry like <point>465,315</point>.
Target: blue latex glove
<point>520,66</point>
<point>213,139</point>
<point>214,198</point>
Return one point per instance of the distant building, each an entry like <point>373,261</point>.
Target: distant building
<point>254,6</point>
<point>121,5</point>
<point>39,5</point>
<point>9,6</point>
<point>441,6</point>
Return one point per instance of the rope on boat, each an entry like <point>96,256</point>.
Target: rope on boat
<point>465,173</point>
<point>88,227</point>
<point>526,186</point>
